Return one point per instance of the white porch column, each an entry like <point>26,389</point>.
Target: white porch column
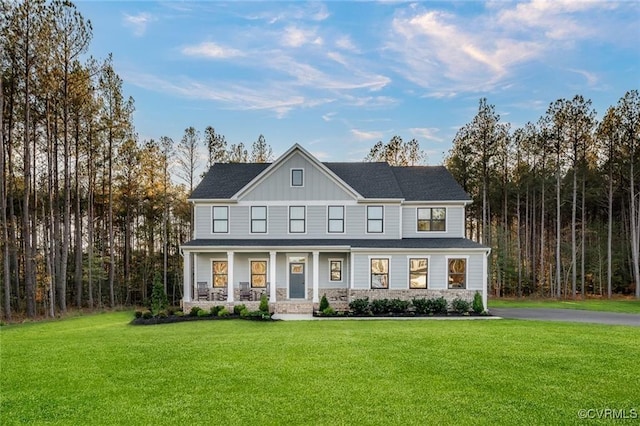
<point>316,276</point>
<point>272,276</point>
<point>485,284</point>
<point>351,269</point>
<point>186,274</point>
<point>229,276</point>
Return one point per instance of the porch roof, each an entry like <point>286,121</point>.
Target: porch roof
<point>443,244</point>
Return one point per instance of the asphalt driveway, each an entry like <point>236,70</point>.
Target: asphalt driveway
<point>572,315</point>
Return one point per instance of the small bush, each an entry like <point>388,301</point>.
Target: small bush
<point>178,313</point>
<point>244,313</point>
<point>147,315</point>
<point>478,306</point>
<point>437,305</point>
<point>224,312</point>
<point>380,306</point>
<point>324,303</point>
<point>194,311</point>
<point>460,306</point>
<point>398,306</point>
<point>328,311</point>
<point>422,306</point>
<point>215,309</point>
<point>359,306</point>
<point>203,313</point>
<point>138,314</point>
<point>264,303</point>
<point>238,308</point>
<point>162,314</point>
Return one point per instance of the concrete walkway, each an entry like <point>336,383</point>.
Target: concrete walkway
<point>572,315</point>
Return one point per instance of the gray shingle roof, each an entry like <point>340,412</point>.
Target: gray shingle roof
<point>414,243</point>
<point>371,180</point>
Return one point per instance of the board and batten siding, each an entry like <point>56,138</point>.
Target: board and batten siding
<point>278,222</point>
<point>454,218</point>
<point>399,269</point>
<point>277,186</point>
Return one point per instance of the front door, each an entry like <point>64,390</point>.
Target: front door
<point>296,281</point>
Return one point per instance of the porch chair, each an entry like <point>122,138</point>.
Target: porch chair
<point>245,291</point>
<point>203,290</point>
<point>221,294</point>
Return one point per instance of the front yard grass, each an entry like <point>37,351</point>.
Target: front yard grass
<point>100,370</point>
<point>629,306</point>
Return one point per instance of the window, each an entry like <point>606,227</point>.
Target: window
<point>220,220</point>
<point>418,272</point>
<point>297,219</point>
<point>297,177</point>
<point>259,273</point>
<point>220,273</point>
<point>432,219</point>
<point>457,273</point>
<point>336,219</point>
<point>375,215</point>
<point>258,219</point>
<point>335,270</point>
<point>379,273</point>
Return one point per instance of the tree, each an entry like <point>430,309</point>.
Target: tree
<point>396,152</point>
<point>187,156</point>
<point>261,151</point>
<point>216,146</point>
<point>237,153</point>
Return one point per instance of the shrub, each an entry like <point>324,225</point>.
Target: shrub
<point>398,306</point>
<point>244,313</point>
<point>238,308</point>
<point>138,314</point>
<point>380,306</point>
<point>147,315</point>
<point>264,303</point>
<point>324,303</point>
<point>460,306</point>
<point>437,305</point>
<point>194,311</point>
<point>215,309</point>
<point>360,306</point>
<point>224,312</point>
<point>478,306</point>
<point>203,313</point>
<point>159,300</point>
<point>179,313</point>
<point>328,311</point>
<point>162,314</point>
<point>422,305</point>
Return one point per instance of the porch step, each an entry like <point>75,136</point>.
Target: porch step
<point>293,308</point>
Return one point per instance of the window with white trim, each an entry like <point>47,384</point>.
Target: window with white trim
<point>220,215</point>
<point>297,221</point>
<point>220,273</point>
<point>335,270</point>
<point>432,219</point>
<point>375,219</point>
<point>379,273</point>
<point>258,219</point>
<point>297,177</point>
<point>457,273</point>
<point>335,218</point>
<point>418,272</point>
<point>259,273</point>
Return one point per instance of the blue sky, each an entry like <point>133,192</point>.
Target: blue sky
<point>337,77</point>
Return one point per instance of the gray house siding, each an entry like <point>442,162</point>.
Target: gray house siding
<point>277,186</point>
<point>454,218</point>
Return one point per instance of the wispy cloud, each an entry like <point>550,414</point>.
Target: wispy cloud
<point>429,133</point>
<point>591,78</point>
<point>295,37</point>
<point>328,116</point>
<point>212,50</point>
<point>364,135</point>
<point>138,23</point>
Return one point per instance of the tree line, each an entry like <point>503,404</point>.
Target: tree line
<point>558,199</point>
<point>88,214</point>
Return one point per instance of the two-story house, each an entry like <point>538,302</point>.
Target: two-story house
<point>299,228</point>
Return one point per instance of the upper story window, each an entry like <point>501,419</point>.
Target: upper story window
<point>297,177</point>
<point>457,273</point>
<point>432,219</point>
<point>375,219</point>
<point>220,219</point>
<point>297,219</point>
<point>335,218</point>
<point>258,219</point>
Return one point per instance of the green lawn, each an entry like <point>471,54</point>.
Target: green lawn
<point>100,370</point>
<point>615,305</point>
